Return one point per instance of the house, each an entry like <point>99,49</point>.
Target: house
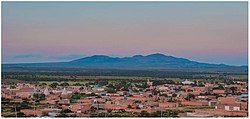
<point>32,112</point>
<point>198,90</point>
<point>222,113</point>
<point>186,82</point>
<point>65,93</point>
<point>219,91</point>
<point>46,91</point>
<point>228,104</point>
<point>24,92</point>
<point>149,83</point>
<point>212,102</point>
<point>194,103</point>
<point>168,104</point>
<point>64,102</point>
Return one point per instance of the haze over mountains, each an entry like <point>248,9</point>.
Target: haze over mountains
<point>152,61</point>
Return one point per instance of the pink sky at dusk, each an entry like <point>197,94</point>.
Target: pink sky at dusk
<point>210,32</point>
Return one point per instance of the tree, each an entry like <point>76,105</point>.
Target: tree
<point>144,114</point>
<point>124,85</point>
<point>129,106</point>
<point>156,114</point>
<point>171,100</point>
<point>137,101</point>
<point>44,84</point>
<point>174,95</point>
<point>190,96</point>
<point>64,84</point>
<point>102,83</point>
<point>54,85</point>
<point>24,105</point>
<point>20,114</point>
<point>233,89</point>
<point>220,87</point>
<point>200,84</point>
<point>65,111</point>
<point>155,92</point>
<point>109,110</point>
<point>78,84</point>
<point>170,113</point>
<point>62,115</point>
<point>111,90</point>
<point>12,87</point>
<point>111,86</point>
<point>74,97</point>
<point>143,85</point>
<point>39,96</point>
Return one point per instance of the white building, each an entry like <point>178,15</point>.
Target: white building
<point>186,82</point>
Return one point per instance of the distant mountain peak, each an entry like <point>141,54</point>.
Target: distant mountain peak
<point>100,56</point>
<point>156,55</point>
<point>138,56</point>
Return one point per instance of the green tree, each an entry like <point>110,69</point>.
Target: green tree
<point>137,101</point>
<point>66,111</point>
<point>233,89</point>
<point>220,87</point>
<point>156,114</point>
<point>111,90</point>
<point>78,84</point>
<point>64,84</point>
<point>54,85</point>
<point>170,113</point>
<point>102,83</point>
<point>12,87</point>
<point>109,110</point>
<point>39,96</point>
<point>174,95</point>
<point>190,96</point>
<point>144,114</point>
<point>24,105</point>
<point>129,106</point>
<point>44,84</point>
<point>74,97</point>
<point>20,114</point>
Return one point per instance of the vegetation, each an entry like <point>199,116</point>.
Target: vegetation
<point>122,113</point>
<point>39,96</point>
<point>78,74</point>
<point>75,96</point>
<point>190,96</point>
<point>54,85</point>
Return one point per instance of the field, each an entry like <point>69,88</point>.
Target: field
<point>73,76</point>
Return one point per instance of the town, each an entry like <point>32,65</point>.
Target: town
<point>97,59</point>
<point>151,97</point>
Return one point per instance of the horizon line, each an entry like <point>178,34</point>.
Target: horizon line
<point>117,56</point>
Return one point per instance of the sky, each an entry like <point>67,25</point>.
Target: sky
<point>211,32</point>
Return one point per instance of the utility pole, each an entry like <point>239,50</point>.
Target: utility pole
<point>15,103</point>
<point>15,107</point>
<point>15,111</point>
<point>34,108</point>
<point>161,113</point>
<point>97,107</point>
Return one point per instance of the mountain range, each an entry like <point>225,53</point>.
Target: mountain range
<point>152,61</point>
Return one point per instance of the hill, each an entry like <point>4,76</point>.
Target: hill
<point>153,61</point>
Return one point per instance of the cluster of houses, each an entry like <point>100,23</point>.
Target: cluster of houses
<point>190,100</point>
